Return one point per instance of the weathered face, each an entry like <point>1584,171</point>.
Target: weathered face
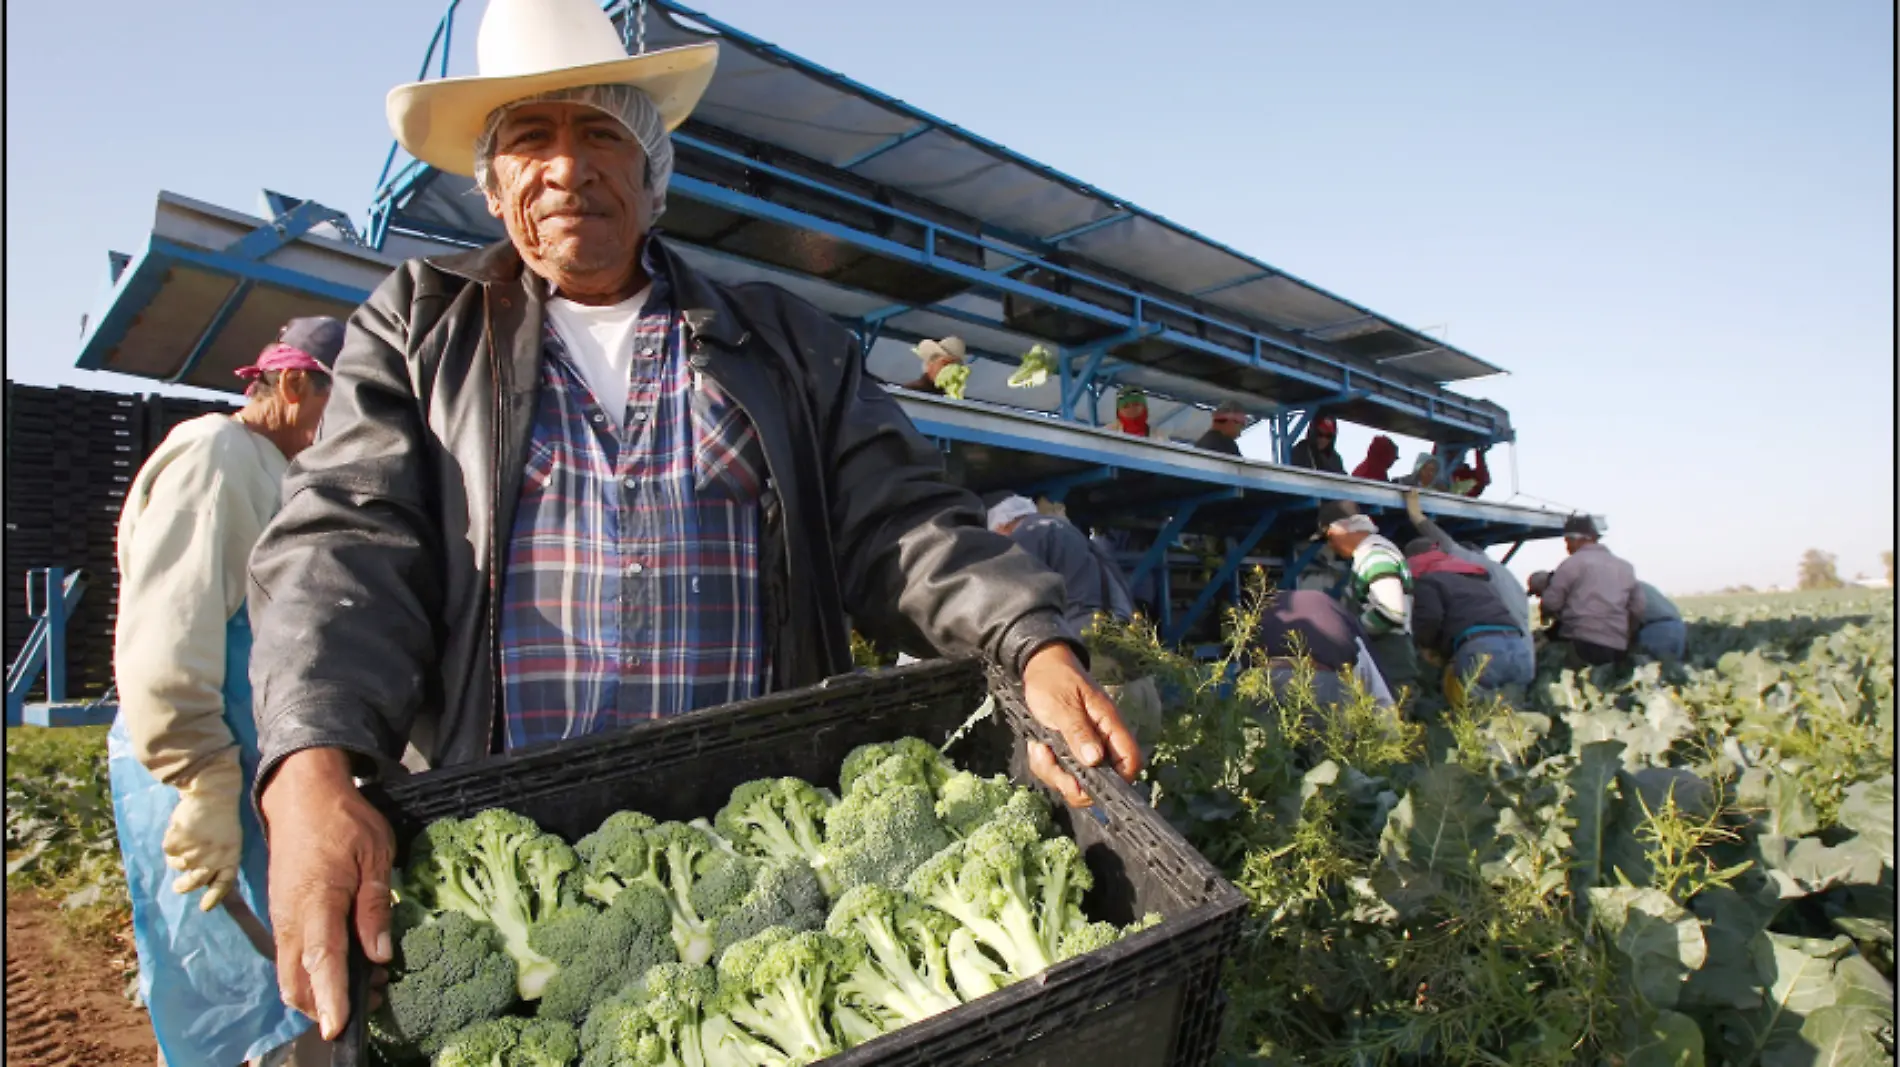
<point>1230,423</point>
<point>569,183</point>
<point>303,397</point>
<point>1428,473</point>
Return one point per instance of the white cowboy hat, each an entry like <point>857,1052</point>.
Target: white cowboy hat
<point>527,47</point>
<point>949,346</point>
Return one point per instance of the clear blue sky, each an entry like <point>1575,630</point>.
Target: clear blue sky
<point>1673,223</point>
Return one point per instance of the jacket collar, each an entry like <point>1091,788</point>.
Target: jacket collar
<point>707,312</point>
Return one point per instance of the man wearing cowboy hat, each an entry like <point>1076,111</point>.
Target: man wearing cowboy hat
<point>937,357</point>
<point>567,483</point>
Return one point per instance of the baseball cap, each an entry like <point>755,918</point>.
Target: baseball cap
<point>318,336</point>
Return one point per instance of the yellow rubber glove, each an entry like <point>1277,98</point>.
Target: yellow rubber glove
<point>206,838</point>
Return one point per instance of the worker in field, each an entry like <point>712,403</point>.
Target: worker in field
<point>1461,625</point>
<point>1223,433</point>
<point>1131,412</point>
<point>1318,450</point>
<point>1380,590</point>
<point>1661,634</point>
<point>1425,471</point>
<point>1380,455</point>
<point>184,746</point>
<point>567,483</point>
<point>1504,584</point>
<point>1092,583</point>
<point>1306,632</point>
<point>937,357</point>
<point>1592,601</point>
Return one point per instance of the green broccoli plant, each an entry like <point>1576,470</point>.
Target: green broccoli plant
<point>714,896</point>
<point>779,987</point>
<point>454,973</point>
<point>882,831</point>
<point>902,973</point>
<point>780,818</point>
<point>512,1042</point>
<point>966,801</point>
<point>496,867</point>
<point>917,763</point>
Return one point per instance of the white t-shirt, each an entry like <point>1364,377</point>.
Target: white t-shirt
<point>600,340</point>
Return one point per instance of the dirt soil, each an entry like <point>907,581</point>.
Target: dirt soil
<point>65,998</point>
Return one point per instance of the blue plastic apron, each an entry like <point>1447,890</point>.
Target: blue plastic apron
<point>213,1000</point>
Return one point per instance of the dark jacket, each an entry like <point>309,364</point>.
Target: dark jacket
<point>1447,604</point>
<point>1089,575</point>
<point>1308,455</point>
<point>1216,441</point>
<point>374,591</point>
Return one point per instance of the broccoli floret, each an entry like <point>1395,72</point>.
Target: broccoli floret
<point>778,987</point>
<point>902,974</point>
<point>512,1042</point>
<point>1091,936</point>
<point>878,836</point>
<point>784,893</point>
<point>672,1018</point>
<point>967,801</point>
<point>918,763</point>
<point>700,880</point>
<point>454,974</point>
<point>496,867</point>
<point>601,951</point>
<point>780,818</point>
<point>1016,893</point>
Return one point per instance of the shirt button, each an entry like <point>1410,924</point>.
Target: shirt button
<point>599,418</point>
<point>634,568</point>
<point>639,416</point>
<point>632,483</point>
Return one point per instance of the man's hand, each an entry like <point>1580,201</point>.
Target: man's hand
<point>1062,697</point>
<point>330,854</point>
<point>205,840</point>
<point>1413,509</point>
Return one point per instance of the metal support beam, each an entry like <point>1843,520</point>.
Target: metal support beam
<point>1290,574</point>
<point>1512,552</point>
<point>1235,283</point>
<point>219,320</point>
<point>1229,567</point>
<point>1183,513</point>
<point>901,139</point>
<point>52,596</point>
<point>1087,227</point>
<point>1058,488</point>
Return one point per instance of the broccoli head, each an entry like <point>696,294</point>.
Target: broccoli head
<point>878,836</point>
<point>1016,893</point>
<point>495,867</point>
<point>902,974</point>
<point>783,893</point>
<point>779,986</point>
<point>916,762</point>
<point>968,800</point>
<point>779,818</point>
<point>1090,936</point>
<point>454,974</point>
<point>512,1042</point>
<point>601,951</point>
<point>699,879</point>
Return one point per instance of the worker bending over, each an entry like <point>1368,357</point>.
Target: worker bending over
<point>567,483</point>
<point>1662,635</point>
<point>1380,590</point>
<point>1460,623</point>
<point>185,743</point>
<point>1503,582</point>
<point>1593,600</point>
<point>1091,582</point>
<point>1306,625</point>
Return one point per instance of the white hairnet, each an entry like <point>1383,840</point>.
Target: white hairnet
<point>626,103</point>
<point>1353,524</point>
<point>1010,509</point>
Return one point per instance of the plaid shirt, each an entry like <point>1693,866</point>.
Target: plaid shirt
<point>632,583</point>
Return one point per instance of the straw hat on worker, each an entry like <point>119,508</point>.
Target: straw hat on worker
<point>527,48</point>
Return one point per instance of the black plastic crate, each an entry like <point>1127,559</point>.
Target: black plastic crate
<point>1150,999</point>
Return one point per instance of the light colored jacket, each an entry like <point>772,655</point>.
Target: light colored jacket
<point>193,514</point>
<point>1595,597</point>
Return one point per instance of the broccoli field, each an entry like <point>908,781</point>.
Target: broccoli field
<point>1687,864</point>
<point>1681,865</point>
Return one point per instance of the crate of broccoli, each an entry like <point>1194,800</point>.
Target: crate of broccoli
<point>856,874</point>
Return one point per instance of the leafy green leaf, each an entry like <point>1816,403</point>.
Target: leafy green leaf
<point>1836,1036</point>
<point>1867,809</point>
<point>1670,1039</point>
<point>1778,801</point>
<point>1661,941</point>
<point>1732,919</point>
<point>1443,823</point>
<point>1591,806</point>
<point>1815,867</point>
<point>1799,980</point>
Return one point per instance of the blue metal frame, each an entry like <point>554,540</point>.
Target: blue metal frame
<point>1175,629</point>
<point>1056,489</point>
<point>52,596</point>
